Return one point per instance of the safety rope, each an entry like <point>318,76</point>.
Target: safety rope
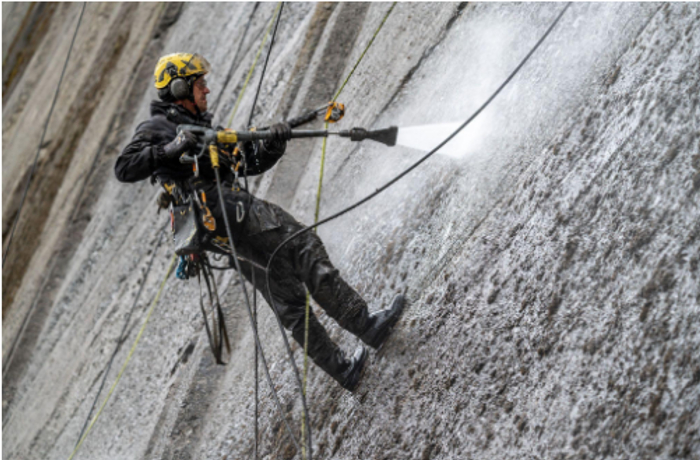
<point>252,67</point>
<point>41,140</point>
<point>249,309</point>
<point>278,13</point>
<point>318,208</point>
<point>217,333</point>
<point>128,358</point>
<point>256,428</point>
<point>253,315</point>
<point>245,179</point>
<point>122,335</point>
<point>234,61</point>
<point>421,160</point>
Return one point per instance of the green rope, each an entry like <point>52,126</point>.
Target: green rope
<point>317,210</point>
<point>386,16</point>
<point>174,258</point>
<point>252,67</point>
<point>128,358</point>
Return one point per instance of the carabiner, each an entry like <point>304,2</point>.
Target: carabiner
<point>240,212</point>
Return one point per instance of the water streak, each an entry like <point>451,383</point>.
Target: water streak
<point>426,137</point>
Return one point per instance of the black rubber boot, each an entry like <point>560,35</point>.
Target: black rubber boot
<point>350,379</point>
<point>347,372</point>
<point>383,322</point>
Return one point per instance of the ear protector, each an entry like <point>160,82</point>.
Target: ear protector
<point>180,89</point>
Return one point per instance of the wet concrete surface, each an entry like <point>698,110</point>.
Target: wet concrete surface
<point>552,270</point>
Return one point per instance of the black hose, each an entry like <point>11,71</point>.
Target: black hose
<point>247,301</point>
<point>290,353</point>
<point>417,163</point>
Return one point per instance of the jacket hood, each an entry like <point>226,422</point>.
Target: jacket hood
<point>178,114</point>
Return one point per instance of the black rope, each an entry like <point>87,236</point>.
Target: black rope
<point>122,336</point>
<point>417,163</point>
<point>43,135</point>
<point>234,253</point>
<point>236,56</point>
<point>267,58</point>
<point>249,309</point>
<point>253,280</point>
<point>217,333</point>
<point>254,312</point>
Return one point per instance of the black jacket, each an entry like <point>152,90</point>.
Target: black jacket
<point>139,159</point>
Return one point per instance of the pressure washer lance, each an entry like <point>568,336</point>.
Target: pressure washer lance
<point>386,136</point>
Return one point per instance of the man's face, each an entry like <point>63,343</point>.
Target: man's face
<point>200,91</point>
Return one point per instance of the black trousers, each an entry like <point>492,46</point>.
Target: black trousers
<point>301,264</point>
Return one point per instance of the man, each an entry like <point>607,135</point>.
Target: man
<point>257,226</point>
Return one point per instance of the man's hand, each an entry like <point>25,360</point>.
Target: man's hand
<point>281,132</point>
<point>182,143</point>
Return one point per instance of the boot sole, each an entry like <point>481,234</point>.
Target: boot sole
<point>394,321</point>
<point>360,373</point>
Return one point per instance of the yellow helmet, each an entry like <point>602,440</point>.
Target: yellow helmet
<point>177,70</point>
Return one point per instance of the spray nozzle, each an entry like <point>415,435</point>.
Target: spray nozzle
<point>386,136</point>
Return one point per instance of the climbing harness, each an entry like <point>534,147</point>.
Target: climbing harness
<point>41,140</point>
<point>187,212</point>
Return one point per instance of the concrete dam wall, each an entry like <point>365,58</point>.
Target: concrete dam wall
<point>551,259</point>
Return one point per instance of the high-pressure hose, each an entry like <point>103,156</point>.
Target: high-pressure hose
<point>421,160</point>
<point>385,137</point>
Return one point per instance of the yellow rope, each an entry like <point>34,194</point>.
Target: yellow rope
<point>316,213</point>
<point>252,67</point>
<point>128,358</point>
